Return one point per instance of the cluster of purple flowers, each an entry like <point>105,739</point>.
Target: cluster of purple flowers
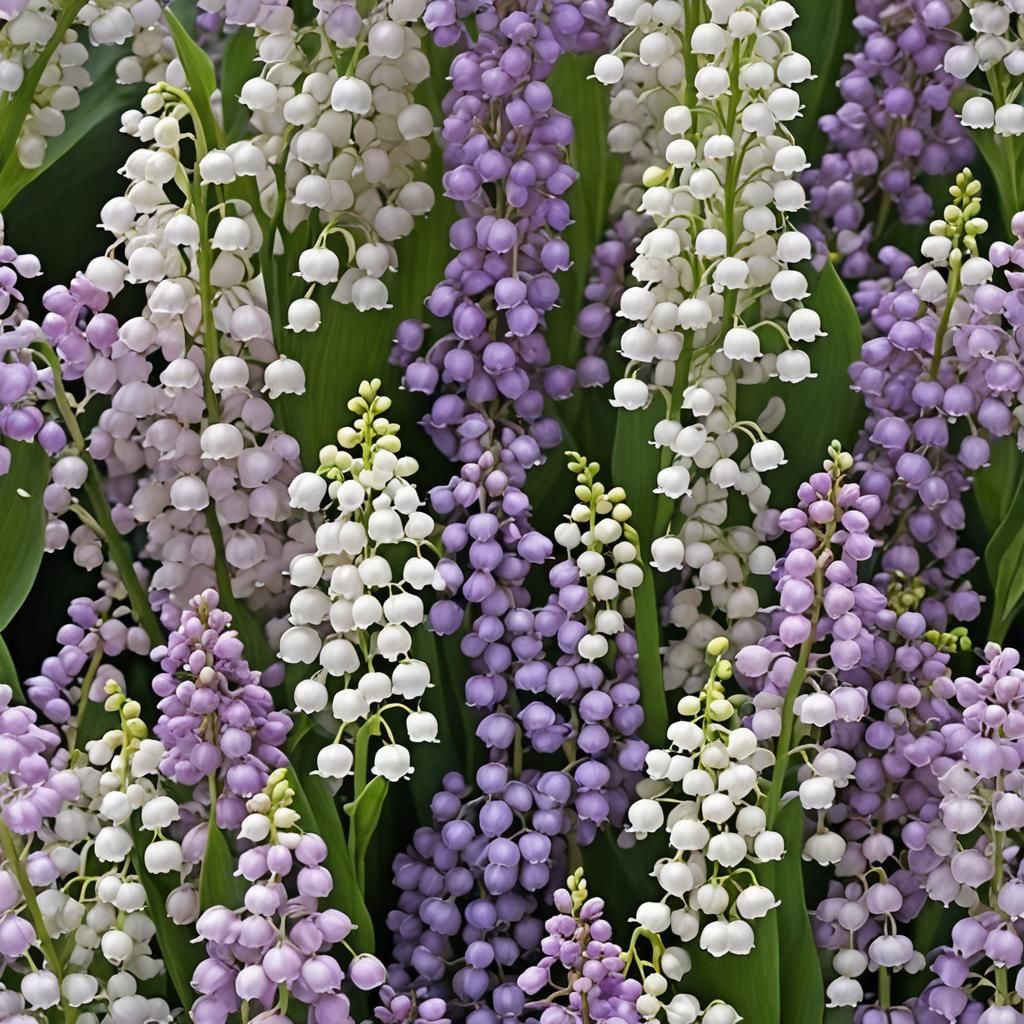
<point>217,718</point>
<point>97,629</point>
<point>917,387</point>
<point>280,944</point>
<point>895,125</point>
<point>23,383</point>
<point>473,889</point>
<point>579,943</point>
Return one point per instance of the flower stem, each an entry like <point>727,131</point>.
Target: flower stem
<point>116,547</point>
<point>16,862</point>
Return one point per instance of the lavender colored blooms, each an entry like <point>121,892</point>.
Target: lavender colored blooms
<point>217,718</point>
<point>895,126</point>
<point>579,943</point>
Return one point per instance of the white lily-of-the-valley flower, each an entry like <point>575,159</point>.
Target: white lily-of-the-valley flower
<point>719,283</point>
<point>703,798</point>
<point>347,150</point>
<point>992,45</point>
<point>357,595</point>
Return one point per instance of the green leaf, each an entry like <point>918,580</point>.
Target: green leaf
<point>365,814</point>
<point>21,540</point>
<point>823,408</point>
<point>9,673</point>
<point>319,814</point>
<point>1004,561</point>
<point>996,484</point>
<point>218,884</point>
<point>236,67</point>
<point>180,955</point>
<point>824,32</point>
<point>800,983</point>
<point>199,73</point>
<point>585,100</point>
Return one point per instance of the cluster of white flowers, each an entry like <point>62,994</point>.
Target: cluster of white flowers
<point>609,564</point>
<point>993,46</point>
<point>356,601</point>
<point>109,918</point>
<point>344,147</point>
<point>708,781</point>
<point>716,279</point>
<point>190,428</point>
<point>37,30</point>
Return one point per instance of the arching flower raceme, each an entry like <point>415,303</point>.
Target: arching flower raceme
<point>591,672</point>
<point>337,140</point>
<point>217,719</point>
<point>357,601</point>
<point>947,353</point>
<point>579,943</point>
<point>717,268</point>
<point>187,441</point>
<point>703,792</point>
<point>279,945</point>
<point>993,47</point>
<point>895,126</point>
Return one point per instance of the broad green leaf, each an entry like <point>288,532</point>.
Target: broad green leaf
<point>824,32</point>
<point>319,813</point>
<point>585,100</point>
<point>821,409</point>
<point>21,540</point>
<point>236,67</point>
<point>199,73</point>
<point>1004,561</point>
<point>218,884</point>
<point>365,814</point>
<point>996,484</point>
<point>800,983</point>
<point>179,953</point>
<point>9,673</point>
<point>635,465</point>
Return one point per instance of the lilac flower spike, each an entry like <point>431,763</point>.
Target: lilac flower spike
<point>579,947</point>
<point>217,718</point>
<point>895,125</point>
<point>279,945</point>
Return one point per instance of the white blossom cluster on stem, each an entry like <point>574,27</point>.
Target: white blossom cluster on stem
<point>704,792</point>
<point>357,594</point>
<point>188,439</point>
<point>994,47</point>
<point>34,31</point>
<point>717,302</point>
<point>338,144</point>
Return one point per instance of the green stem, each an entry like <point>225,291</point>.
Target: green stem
<point>884,988</point>
<point>940,334</point>
<point>16,863</point>
<point>116,547</point>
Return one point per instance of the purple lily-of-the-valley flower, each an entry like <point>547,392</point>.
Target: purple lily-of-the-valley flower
<point>280,945</point>
<point>940,379</point>
<point>894,127</point>
<point>581,976</point>
<point>217,717</point>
